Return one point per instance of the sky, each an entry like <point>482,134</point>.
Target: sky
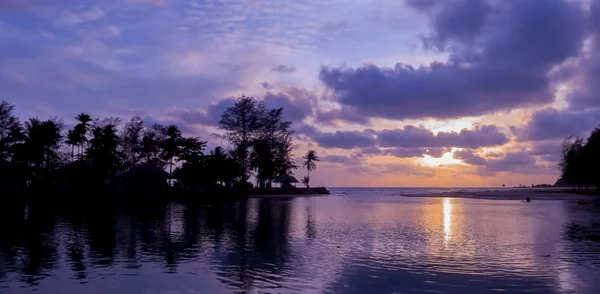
<point>413,93</point>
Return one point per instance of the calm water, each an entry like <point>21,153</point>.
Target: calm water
<point>355,241</point>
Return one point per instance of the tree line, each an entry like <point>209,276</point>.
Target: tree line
<point>259,144</point>
<point>580,159</point>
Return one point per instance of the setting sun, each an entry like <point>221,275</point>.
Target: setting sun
<point>446,159</point>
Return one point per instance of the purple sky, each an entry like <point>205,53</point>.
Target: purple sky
<point>389,92</point>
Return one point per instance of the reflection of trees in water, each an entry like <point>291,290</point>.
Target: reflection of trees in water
<point>264,248</point>
<point>582,233</point>
<point>131,236</point>
<point>311,226</point>
<point>29,246</point>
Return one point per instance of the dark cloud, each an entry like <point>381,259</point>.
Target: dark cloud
<point>500,55</point>
<point>344,115</point>
<point>296,103</point>
<point>373,150</point>
<point>585,74</point>
<point>519,162</point>
<point>267,86</point>
<point>405,152</point>
<point>410,136</point>
<point>209,117</point>
<point>437,152</point>
<point>551,123</point>
<point>334,27</point>
<point>284,68</point>
<point>408,169</point>
<point>345,159</point>
<point>551,147</point>
<point>295,109</point>
<point>303,130</point>
<point>344,140</point>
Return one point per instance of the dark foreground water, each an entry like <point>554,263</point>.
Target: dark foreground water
<point>356,242</point>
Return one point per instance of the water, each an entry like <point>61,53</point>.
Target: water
<point>355,241</point>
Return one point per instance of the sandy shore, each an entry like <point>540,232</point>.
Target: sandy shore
<point>512,195</point>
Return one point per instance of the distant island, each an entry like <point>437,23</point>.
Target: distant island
<point>100,155</point>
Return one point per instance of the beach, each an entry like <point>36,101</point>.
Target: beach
<point>511,194</point>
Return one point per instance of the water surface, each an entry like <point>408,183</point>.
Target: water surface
<point>355,241</point>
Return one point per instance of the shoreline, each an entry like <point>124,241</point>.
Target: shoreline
<point>509,195</point>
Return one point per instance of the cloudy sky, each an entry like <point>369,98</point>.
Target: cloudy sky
<point>389,92</point>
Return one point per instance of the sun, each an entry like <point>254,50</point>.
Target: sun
<point>446,159</point>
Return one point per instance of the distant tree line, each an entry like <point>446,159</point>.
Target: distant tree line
<point>259,144</point>
<point>580,161</point>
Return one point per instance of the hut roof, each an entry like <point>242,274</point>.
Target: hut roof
<point>285,179</point>
<point>146,170</point>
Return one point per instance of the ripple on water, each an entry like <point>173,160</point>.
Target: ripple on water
<point>337,244</point>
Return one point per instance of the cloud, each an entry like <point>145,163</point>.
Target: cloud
<point>551,123</point>
<point>438,152</point>
<point>296,103</point>
<point>405,152</point>
<point>411,136</point>
<point>70,18</point>
<point>551,147</point>
<point>334,27</point>
<point>295,109</point>
<point>344,140</point>
<point>154,2</point>
<point>267,86</point>
<point>345,115</point>
<point>209,117</point>
<point>518,162</point>
<point>284,68</point>
<point>500,56</point>
<point>342,159</point>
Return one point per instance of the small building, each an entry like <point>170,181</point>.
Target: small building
<point>145,176</point>
<point>286,181</point>
<point>12,175</point>
<point>76,174</point>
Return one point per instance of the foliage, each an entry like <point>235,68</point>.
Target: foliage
<point>131,142</point>
<point>10,130</point>
<point>580,159</point>
<point>306,181</point>
<point>260,138</point>
<point>103,152</point>
<point>241,124</point>
<point>260,142</point>
<point>310,159</point>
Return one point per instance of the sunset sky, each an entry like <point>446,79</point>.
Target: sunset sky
<point>388,92</point>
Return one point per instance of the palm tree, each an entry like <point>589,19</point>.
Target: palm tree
<point>72,140</point>
<point>171,145</point>
<point>305,181</point>
<point>81,130</point>
<point>310,159</point>
<point>43,138</point>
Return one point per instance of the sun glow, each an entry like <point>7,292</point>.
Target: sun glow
<point>455,125</point>
<point>446,159</point>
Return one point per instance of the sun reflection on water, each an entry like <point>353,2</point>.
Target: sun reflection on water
<point>447,220</point>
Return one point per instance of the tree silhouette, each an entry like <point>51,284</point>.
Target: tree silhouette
<point>310,159</point>
<point>81,130</point>
<point>171,145</point>
<point>72,139</point>
<point>241,125</point>
<point>131,146</point>
<point>103,153</point>
<point>10,129</point>
<point>260,144</point>
<point>306,181</point>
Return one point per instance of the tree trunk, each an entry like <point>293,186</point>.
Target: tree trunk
<point>72,153</point>
<point>308,178</point>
